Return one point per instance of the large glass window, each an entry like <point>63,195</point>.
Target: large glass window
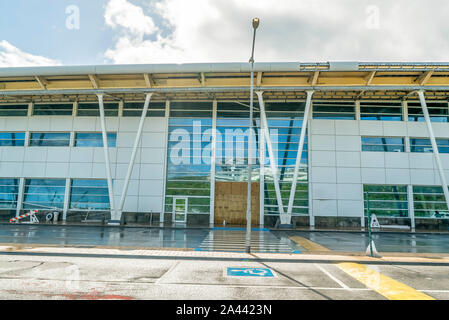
<point>92,109</point>
<point>53,109</point>
<point>12,139</point>
<point>438,111</point>
<point>94,139</point>
<point>424,145</point>
<point>429,202</point>
<point>50,139</point>
<point>232,142</point>
<point>189,155</point>
<point>285,121</point>
<point>9,189</point>
<point>44,194</point>
<point>13,110</point>
<point>334,110</point>
<point>383,144</point>
<point>386,200</point>
<point>134,109</point>
<point>385,111</point>
<point>89,195</point>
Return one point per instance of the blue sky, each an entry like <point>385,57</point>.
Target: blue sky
<point>34,32</point>
<point>39,27</point>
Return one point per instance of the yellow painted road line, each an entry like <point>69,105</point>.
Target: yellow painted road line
<point>309,245</point>
<point>389,288</point>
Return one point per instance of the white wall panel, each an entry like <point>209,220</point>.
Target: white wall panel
<point>323,127</point>
<point>348,159</point>
<point>370,159</point>
<point>373,176</point>
<point>348,175</point>
<point>347,127</point>
<point>323,158</point>
<point>350,208</point>
<point>371,128</point>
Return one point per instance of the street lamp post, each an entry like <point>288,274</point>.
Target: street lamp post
<point>250,141</point>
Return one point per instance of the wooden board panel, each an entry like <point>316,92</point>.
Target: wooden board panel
<point>230,203</point>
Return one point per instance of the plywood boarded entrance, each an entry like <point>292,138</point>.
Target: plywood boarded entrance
<point>230,203</point>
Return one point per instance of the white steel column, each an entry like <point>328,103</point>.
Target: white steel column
<point>212,164</point>
<point>20,194</point>
<point>434,146</point>
<point>164,191</point>
<point>357,110</point>
<point>309,171</point>
<point>273,163</point>
<point>66,200</point>
<point>298,155</point>
<point>133,155</point>
<point>261,173</point>
<point>107,163</point>
<point>411,206</point>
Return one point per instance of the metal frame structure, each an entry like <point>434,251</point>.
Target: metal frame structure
<point>288,81</point>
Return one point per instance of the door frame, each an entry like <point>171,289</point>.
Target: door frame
<point>185,209</point>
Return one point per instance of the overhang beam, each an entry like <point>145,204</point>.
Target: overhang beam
<point>370,77</point>
<point>424,77</point>
<point>42,82</point>
<point>148,80</point>
<point>94,80</point>
<point>259,79</point>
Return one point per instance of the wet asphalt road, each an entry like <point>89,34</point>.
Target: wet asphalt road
<point>218,239</point>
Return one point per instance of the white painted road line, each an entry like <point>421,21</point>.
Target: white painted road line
<point>331,276</point>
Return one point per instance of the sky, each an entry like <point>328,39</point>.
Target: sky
<point>86,32</point>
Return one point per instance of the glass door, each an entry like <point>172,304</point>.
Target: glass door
<point>180,210</point>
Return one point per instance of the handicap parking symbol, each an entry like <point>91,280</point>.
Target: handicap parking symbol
<point>250,272</point>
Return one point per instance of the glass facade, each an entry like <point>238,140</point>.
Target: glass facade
<point>285,122</point>
<point>12,139</point>
<point>385,111</point>
<point>44,194</point>
<point>383,144</point>
<point>94,139</point>
<point>386,200</point>
<point>188,157</point>
<point>424,145</point>
<point>87,194</point>
<point>60,109</point>
<point>438,111</point>
<point>13,110</point>
<point>429,202</point>
<point>334,110</point>
<point>50,139</point>
<point>9,190</point>
<point>92,109</point>
<point>134,109</point>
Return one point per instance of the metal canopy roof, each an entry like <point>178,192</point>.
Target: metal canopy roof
<point>227,81</point>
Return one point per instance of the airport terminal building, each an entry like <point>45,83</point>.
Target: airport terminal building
<point>170,144</point>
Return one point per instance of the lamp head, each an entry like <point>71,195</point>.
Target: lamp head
<point>255,23</point>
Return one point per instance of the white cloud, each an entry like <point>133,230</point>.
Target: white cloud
<point>121,13</point>
<point>10,56</point>
<point>290,30</point>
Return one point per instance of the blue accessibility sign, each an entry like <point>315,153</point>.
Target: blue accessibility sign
<point>250,272</point>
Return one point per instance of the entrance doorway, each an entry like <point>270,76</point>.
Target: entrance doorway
<point>230,203</point>
<point>180,209</point>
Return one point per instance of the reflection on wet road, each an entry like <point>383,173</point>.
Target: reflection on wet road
<point>219,239</point>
